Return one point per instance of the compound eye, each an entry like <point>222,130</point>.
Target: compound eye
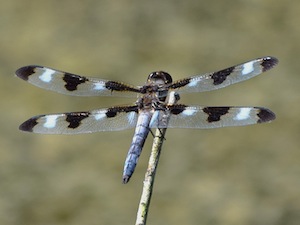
<point>168,78</point>
<point>160,75</point>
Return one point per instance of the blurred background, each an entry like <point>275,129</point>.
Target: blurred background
<point>244,175</point>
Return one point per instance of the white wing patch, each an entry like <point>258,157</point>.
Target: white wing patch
<point>47,75</point>
<point>100,116</point>
<point>99,86</point>
<point>243,114</point>
<point>193,83</point>
<point>248,68</point>
<point>189,112</point>
<point>50,121</point>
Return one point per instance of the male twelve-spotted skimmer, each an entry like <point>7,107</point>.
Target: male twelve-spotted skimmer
<point>150,110</point>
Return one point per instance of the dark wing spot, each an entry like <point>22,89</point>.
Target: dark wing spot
<point>220,76</point>
<point>265,115</point>
<point>176,109</point>
<point>72,81</point>
<point>215,113</point>
<point>28,125</point>
<point>113,111</point>
<point>75,119</point>
<point>268,63</point>
<point>26,71</point>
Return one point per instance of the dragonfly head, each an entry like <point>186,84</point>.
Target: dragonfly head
<point>160,77</point>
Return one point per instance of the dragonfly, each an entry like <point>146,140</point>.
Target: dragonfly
<point>151,110</point>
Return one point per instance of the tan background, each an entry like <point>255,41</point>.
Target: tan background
<point>246,175</point>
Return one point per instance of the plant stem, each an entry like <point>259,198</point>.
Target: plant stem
<point>152,166</point>
<point>149,177</point>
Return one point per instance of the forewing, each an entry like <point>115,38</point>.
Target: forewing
<point>181,116</point>
<point>225,77</point>
<point>72,84</point>
<point>111,119</point>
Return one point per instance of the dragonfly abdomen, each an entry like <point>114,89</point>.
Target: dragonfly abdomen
<point>138,141</point>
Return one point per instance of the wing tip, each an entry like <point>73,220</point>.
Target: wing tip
<point>28,125</point>
<point>26,71</point>
<point>265,115</point>
<point>269,62</point>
